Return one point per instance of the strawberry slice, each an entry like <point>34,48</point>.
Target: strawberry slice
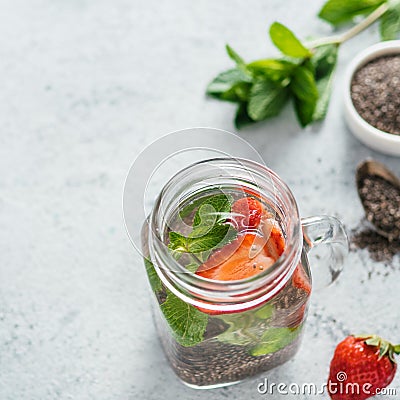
<point>300,279</point>
<point>243,257</point>
<point>247,212</point>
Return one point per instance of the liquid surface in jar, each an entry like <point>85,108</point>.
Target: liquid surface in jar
<point>226,235</point>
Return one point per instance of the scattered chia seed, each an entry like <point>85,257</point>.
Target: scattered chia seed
<point>375,91</point>
<point>378,247</point>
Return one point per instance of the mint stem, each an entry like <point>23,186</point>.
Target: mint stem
<point>355,30</point>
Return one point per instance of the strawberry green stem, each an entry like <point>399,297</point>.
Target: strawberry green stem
<point>385,347</point>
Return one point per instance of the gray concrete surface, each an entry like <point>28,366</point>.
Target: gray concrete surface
<point>85,86</point>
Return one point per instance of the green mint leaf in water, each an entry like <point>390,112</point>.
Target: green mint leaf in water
<point>390,21</point>
<point>284,39</point>
<point>240,330</point>
<point>187,323</point>
<point>275,339</point>
<point>337,12</point>
<point>216,206</point>
<point>266,99</point>
<point>218,236</point>
<point>192,267</point>
<point>324,60</point>
<point>209,230</point>
<point>178,242</point>
<point>245,328</point>
<point>305,91</point>
<point>155,281</point>
<point>264,312</point>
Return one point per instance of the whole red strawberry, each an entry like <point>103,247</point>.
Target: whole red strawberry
<point>360,366</point>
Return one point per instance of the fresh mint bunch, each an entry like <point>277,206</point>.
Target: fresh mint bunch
<point>304,74</point>
<point>262,88</point>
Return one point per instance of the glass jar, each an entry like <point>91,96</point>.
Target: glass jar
<point>219,332</point>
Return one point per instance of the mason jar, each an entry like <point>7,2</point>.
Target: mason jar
<point>217,330</point>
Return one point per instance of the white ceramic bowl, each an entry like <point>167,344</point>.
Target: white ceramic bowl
<point>366,133</point>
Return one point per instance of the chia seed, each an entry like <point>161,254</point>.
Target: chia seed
<point>379,248</point>
<point>381,202</point>
<point>375,92</point>
<point>212,362</point>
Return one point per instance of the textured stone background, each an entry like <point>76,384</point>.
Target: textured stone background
<point>85,86</point>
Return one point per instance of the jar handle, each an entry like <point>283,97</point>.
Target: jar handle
<point>329,231</point>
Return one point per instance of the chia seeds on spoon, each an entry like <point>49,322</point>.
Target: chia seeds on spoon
<point>375,91</point>
<point>381,202</point>
<point>379,191</point>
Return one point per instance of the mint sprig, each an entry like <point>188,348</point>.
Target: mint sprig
<point>209,231</point>
<point>187,323</point>
<point>305,72</point>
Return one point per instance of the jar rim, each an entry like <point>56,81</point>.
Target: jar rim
<point>196,289</point>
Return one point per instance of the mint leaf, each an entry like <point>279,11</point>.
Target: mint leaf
<point>192,267</point>
<point>266,99</point>
<point>187,323</point>
<point>155,281</point>
<point>275,70</point>
<point>218,236</point>
<point>178,242</point>
<point>265,312</point>
<point>305,91</point>
<point>390,21</point>
<point>247,327</point>
<point>324,61</point>
<point>284,39</point>
<point>337,12</point>
<point>304,111</point>
<point>225,81</point>
<point>236,58</point>
<point>240,331</point>
<point>275,339</point>
<point>218,206</point>
<point>202,238</point>
<point>209,230</point>
<point>242,118</point>
<point>237,93</point>
<point>303,84</point>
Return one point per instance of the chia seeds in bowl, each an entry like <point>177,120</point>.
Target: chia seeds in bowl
<point>372,97</point>
<point>375,92</point>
